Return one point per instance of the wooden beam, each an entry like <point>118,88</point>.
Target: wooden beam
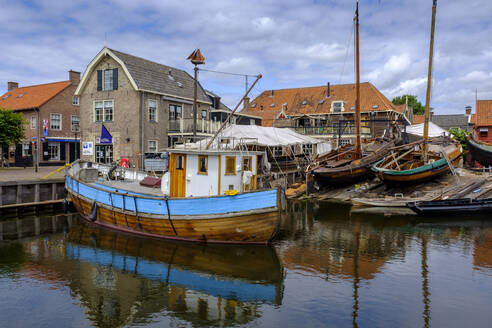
<point>398,158</point>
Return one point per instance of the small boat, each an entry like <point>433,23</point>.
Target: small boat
<point>452,206</point>
<point>351,163</point>
<point>481,151</point>
<point>208,196</point>
<point>387,201</point>
<point>416,162</point>
<point>406,165</point>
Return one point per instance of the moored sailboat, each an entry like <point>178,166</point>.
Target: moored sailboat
<point>420,161</point>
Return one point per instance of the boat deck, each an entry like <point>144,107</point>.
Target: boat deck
<point>133,186</point>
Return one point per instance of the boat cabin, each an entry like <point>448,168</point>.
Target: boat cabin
<point>197,173</point>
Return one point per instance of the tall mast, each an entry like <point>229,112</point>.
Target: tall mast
<point>357,80</point>
<point>429,82</point>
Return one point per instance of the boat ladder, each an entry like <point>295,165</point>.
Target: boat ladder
<point>451,167</point>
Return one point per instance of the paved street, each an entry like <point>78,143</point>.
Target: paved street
<point>19,173</point>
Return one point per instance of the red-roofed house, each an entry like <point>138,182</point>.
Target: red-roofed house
<point>51,114</point>
<point>483,121</point>
<point>327,111</point>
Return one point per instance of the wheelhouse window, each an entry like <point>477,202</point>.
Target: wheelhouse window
<point>247,163</point>
<point>230,165</point>
<point>33,122</point>
<point>202,164</point>
<point>55,121</point>
<point>75,123</point>
<point>152,147</point>
<point>152,110</point>
<point>175,112</point>
<point>108,79</point>
<point>53,151</point>
<point>179,162</point>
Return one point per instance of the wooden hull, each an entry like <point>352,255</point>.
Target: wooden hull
<point>428,172</point>
<point>480,151</point>
<point>342,176</point>
<point>452,207</point>
<point>257,228</point>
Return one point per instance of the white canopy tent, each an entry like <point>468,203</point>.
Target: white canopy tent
<point>434,130</point>
<point>260,136</point>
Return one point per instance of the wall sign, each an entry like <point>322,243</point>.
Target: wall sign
<point>87,148</point>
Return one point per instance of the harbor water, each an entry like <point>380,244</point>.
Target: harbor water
<point>330,266</point>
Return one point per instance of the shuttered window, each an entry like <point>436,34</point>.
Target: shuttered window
<point>107,80</point>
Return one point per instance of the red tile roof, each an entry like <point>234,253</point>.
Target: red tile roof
<point>312,100</point>
<point>418,119</point>
<point>483,114</point>
<point>32,96</point>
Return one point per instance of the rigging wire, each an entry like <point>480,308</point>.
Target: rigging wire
<point>227,73</point>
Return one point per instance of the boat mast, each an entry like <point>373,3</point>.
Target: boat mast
<point>357,80</point>
<point>429,82</point>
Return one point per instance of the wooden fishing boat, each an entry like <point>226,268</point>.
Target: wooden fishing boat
<point>351,163</point>
<point>205,197</point>
<point>406,165</point>
<point>452,206</point>
<point>481,151</point>
<point>414,162</point>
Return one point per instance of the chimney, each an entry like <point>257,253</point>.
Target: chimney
<point>328,90</point>
<point>271,96</point>
<point>12,85</point>
<point>74,77</point>
<point>246,103</point>
<point>468,110</point>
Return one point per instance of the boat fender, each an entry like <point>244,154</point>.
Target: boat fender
<point>93,214</point>
<point>65,206</point>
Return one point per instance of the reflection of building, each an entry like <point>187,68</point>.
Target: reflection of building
<point>125,280</point>
<point>482,251</point>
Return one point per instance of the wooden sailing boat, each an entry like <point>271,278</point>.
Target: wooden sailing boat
<point>481,151</point>
<point>351,163</point>
<point>425,159</point>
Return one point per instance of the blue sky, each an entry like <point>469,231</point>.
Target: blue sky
<point>293,43</point>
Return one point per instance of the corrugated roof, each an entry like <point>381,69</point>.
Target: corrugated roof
<point>32,96</point>
<point>483,115</point>
<point>313,100</point>
<point>160,78</point>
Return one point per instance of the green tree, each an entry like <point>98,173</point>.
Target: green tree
<point>11,127</point>
<point>412,102</point>
<point>460,135</point>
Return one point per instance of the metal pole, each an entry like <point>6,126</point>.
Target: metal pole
<point>194,102</point>
<point>38,142</point>
<point>429,82</point>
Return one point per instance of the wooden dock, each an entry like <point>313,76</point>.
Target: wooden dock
<point>31,193</point>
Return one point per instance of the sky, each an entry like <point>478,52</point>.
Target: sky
<point>292,43</point>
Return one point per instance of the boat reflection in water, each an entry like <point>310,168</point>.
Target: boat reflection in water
<point>122,279</point>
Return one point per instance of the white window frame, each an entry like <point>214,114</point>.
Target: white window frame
<point>57,145</point>
<point>110,80</point>
<point>51,120</point>
<point>148,146</point>
<point>175,111</point>
<point>33,122</point>
<point>156,117</point>
<point>342,107</point>
<point>71,123</point>
<point>75,101</point>
<point>25,150</point>
<point>103,110</point>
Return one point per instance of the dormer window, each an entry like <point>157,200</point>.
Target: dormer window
<point>253,105</point>
<point>107,79</point>
<point>337,106</point>
<point>20,95</point>
<point>304,102</point>
<point>375,106</point>
<point>272,105</point>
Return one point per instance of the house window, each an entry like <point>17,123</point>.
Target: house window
<point>75,100</point>
<point>175,112</point>
<point>152,111</point>
<point>277,151</point>
<point>152,146</point>
<point>202,164</point>
<point>98,111</point>
<point>247,163</point>
<point>108,110</point>
<point>307,149</point>
<point>108,79</point>
<point>179,162</point>
<point>251,121</point>
<point>53,151</point>
<point>33,122</point>
<point>343,142</point>
<point>55,121</point>
<point>75,123</point>
<point>230,165</point>
<point>104,154</point>
<point>26,150</point>
<point>204,114</point>
<point>337,106</point>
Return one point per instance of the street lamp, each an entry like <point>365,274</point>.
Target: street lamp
<point>76,130</point>
<point>196,59</point>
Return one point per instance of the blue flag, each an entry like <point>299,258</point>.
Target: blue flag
<point>106,138</point>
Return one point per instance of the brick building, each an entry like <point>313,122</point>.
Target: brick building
<point>482,121</point>
<point>145,106</point>
<point>51,113</point>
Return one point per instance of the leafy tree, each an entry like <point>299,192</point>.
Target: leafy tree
<point>460,135</point>
<point>11,127</point>
<point>417,106</point>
